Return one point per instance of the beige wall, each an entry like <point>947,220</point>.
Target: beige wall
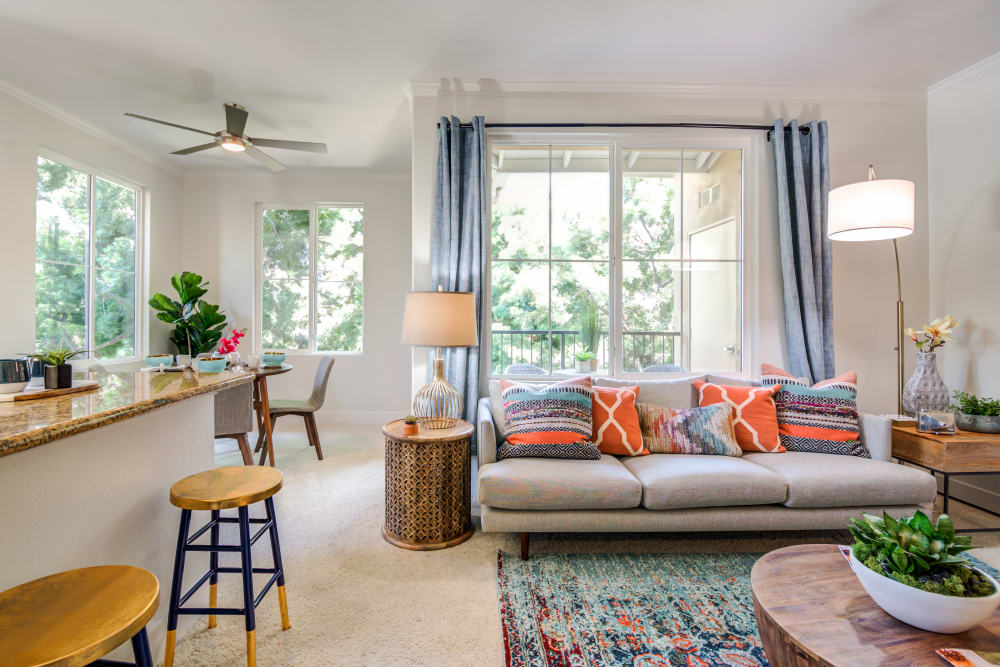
<point>888,130</point>
<point>219,218</point>
<point>24,128</point>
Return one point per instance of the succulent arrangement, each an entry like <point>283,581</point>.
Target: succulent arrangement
<point>586,355</point>
<point>970,404</point>
<point>409,419</point>
<point>916,552</point>
<point>56,356</point>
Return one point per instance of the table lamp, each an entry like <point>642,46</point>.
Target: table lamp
<point>875,210</point>
<point>439,319</point>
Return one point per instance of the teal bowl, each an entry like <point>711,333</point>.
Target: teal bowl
<point>212,365</point>
<point>272,358</point>
<point>157,360</point>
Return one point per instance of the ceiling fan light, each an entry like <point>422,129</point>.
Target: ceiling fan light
<point>233,144</point>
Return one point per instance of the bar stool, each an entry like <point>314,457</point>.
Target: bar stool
<point>215,490</point>
<point>75,617</point>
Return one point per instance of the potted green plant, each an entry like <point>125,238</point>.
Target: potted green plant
<point>977,414</point>
<point>198,325</point>
<point>58,371</point>
<point>410,426</point>
<point>585,361</point>
<point>911,568</point>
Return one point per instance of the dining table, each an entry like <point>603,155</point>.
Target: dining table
<point>263,409</point>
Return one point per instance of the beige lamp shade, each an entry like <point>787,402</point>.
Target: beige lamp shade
<point>440,319</point>
<point>871,211</point>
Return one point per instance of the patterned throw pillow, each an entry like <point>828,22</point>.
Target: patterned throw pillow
<point>822,418</point>
<point>755,418</point>
<point>616,423</point>
<point>771,375</point>
<point>707,430</point>
<point>550,421</point>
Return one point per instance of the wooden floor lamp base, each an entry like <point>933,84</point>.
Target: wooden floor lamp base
<point>433,546</point>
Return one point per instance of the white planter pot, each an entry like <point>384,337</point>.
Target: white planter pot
<point>583,366</point>
<point>934,612</point>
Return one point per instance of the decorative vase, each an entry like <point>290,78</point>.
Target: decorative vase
<point>925,390</point>
<point>437,404</point>
<point>58,377</point>
<point>234,359</point>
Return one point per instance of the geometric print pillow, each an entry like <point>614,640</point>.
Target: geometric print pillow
<point>707,430</point>
<point>755,418</point>
<point>549,421</point>
<point>772,375</point>
<point>819,420</point>
<point>616,423</point>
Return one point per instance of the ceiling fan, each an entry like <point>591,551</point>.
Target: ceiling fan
<point>232,139</point>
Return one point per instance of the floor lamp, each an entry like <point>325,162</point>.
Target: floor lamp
<point>875,210</point>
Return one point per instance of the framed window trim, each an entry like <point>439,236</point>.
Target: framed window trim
<point>258,311</point>
<point>141,320</point>
<point>749,142</point>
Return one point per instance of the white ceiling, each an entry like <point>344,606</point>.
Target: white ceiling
<point>334,71</point>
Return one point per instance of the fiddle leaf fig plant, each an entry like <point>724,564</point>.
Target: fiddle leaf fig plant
<point>198,325</point>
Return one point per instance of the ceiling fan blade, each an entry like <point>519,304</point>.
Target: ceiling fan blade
<point>195,149</point>
<point>163,122</point>
<point>236,119</point>
<point>310,146</point>
<point>265,159</point>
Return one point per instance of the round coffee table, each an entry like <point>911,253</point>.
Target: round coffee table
<point>428,498</point>
<point>812,610</point>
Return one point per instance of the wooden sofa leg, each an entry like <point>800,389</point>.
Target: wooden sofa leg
<point>525,539</point>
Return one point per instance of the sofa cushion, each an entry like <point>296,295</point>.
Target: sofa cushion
<point>828,480</point>
<point>677,481</point>
<point>674,393</point>
<point>558,484</point>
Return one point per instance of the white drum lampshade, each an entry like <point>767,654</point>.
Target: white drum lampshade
<point>871,211</point>
<point>439,319</point>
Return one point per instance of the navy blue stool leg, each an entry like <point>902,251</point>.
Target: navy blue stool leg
<point>213,563</point>
<point>276,554</point>
<point>140,649</point>
<point>175,587</point>
<point>248,598</point>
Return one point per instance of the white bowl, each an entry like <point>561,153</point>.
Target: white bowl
<point>12,387</point>
<point>947,614</point>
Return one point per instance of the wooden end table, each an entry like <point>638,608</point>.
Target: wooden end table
<point>428,497</point>
<point>812,610</point>
<point>962,454</point>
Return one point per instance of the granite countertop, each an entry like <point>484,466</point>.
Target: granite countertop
<point>119,396</point>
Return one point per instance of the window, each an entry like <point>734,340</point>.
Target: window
<point>632,253</point>
<point>85,262</point>
<point>310,285</point>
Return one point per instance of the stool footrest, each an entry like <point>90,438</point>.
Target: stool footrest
<point>239,570</point>
<point>194,589</point>
<point>208,611</point>
<point>190,546</point>
<point>267,587</point>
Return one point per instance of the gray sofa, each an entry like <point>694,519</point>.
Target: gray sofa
<point>686,493</point>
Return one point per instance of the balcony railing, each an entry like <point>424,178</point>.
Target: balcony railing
<point>642,349</point>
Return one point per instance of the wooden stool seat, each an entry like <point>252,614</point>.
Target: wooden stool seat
<point>75,617</point>
<point>225,488</point>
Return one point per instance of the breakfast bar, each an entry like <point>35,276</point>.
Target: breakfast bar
<point>85,477</point>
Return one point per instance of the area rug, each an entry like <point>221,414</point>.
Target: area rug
<point>643,610</point>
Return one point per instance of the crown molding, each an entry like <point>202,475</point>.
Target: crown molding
<point>293,174</point>
<point>80,124</point>
<point>487,87</point>
<point>962,75</point>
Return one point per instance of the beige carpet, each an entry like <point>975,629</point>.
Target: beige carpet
<point>356,600</point>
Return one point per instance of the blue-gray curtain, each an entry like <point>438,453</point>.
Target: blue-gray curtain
<point>802,162</point>
<point>458,237</point>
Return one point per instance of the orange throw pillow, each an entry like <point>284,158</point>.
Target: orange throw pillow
<point>755,416</point>
<point>616,421</point>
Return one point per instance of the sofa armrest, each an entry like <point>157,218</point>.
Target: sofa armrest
<point>876,434</point>
<point>486,434</point>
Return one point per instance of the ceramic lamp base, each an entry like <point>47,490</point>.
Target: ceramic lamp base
<point>437,404</point>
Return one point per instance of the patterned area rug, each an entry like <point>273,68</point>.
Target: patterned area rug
<point>644,610</point>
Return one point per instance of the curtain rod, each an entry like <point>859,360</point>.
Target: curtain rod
<point>804,129</point>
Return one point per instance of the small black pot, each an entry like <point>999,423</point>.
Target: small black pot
<point>58,377</point>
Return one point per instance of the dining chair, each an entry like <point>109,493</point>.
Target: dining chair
<point>305,408</point>
<point>234,417</point>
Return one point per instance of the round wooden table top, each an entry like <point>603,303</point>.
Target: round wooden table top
<point>270,370</point>
<point>225,488</point>
<point>75,617</point>
<point>808,599</point>
<point>461,429</point>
